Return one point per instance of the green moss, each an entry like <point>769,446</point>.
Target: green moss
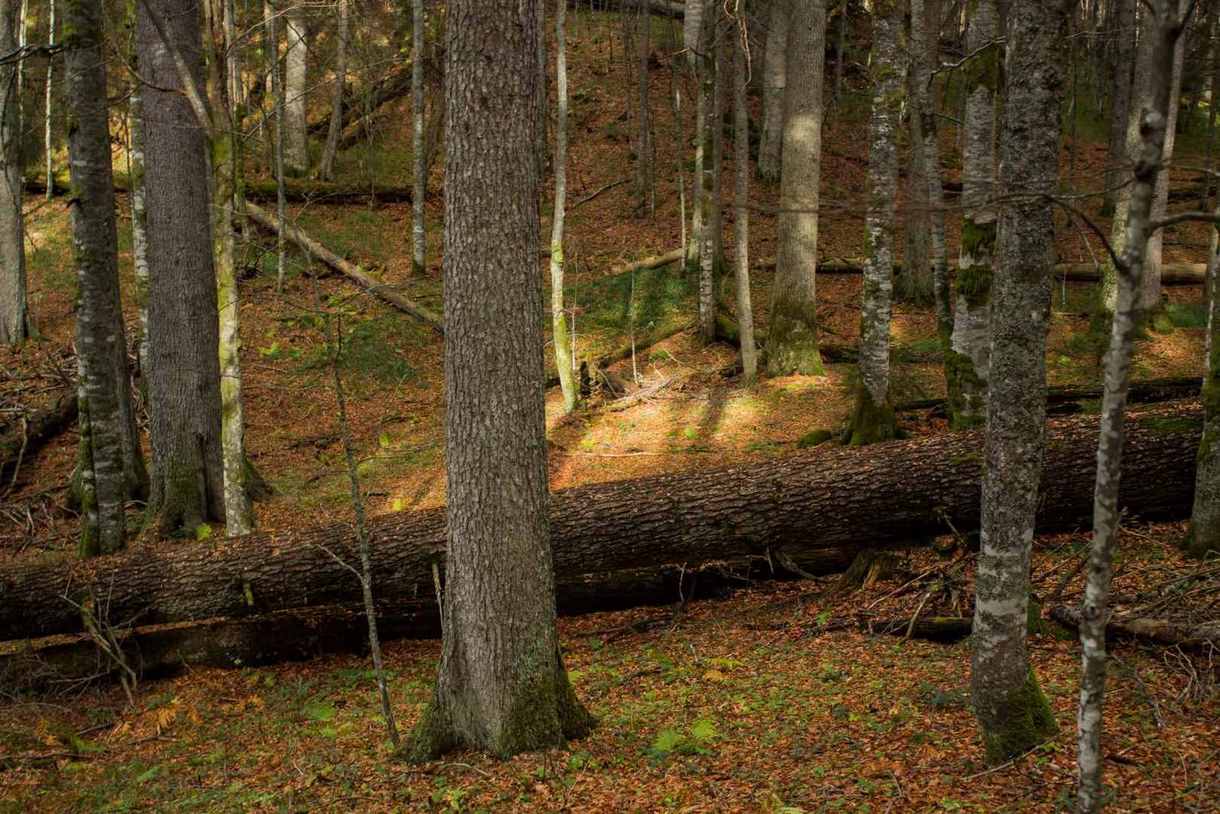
<point>964,389</point>
<point>814,438</point>
<point>1028,722</point>
<point>871,422</point>
<point>1170,425</point>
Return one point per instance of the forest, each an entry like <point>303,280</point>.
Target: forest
<point>609,405</point>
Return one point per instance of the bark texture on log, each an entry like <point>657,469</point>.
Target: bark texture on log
<point>820,499</point>
<point>1163,631</point>
<point>20,440</point>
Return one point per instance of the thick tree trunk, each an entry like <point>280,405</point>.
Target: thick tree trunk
<point>14,307</point>
<point>966,362</point>
<point>183,328</point>
<point>296,89</point>
<point>326,167</point>
<point>810,501</point>
<point>873,419</point>
<point>1164,29</point>
<point>111,466</point>
<point>794,338</point>
<point>1122,34</point>
<point>775,61</point>
<point>559,321</point>
<point>741,158</point>
<point>914,280</point>
<point>1012,712</point>
<point>501,685</point>
<point>419,166</point>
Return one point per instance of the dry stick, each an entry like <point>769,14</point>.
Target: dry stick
<point>316,249</point>
<point>362,539</point>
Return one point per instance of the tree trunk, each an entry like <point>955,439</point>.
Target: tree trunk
<point>419,167</point>
<point>183,327</point>
<point>914,281</point>
<point>873,419</point>
<point>111,466</point>
<point>741,159</point>
<point>913,490</point>
<point>645,182</point>
<point>794,337</point>
<point>925,29</point>
<point>707,169</point>
<point>1163,33</point>
<point>501,686</point>
<point>559,321</point>
<point>1149,299</point>
<point>775,61</point>
<point>326,168</point>
<point>296,89</point>
<point>14,307</point>
<point>47,145</point>
<point>139,211</point>
<point>1122,17</point>
<point>1012,712</point>
<point>966,362</point>
<point>692,39</point>
<point>279,170</point>
<point>1204,536</point>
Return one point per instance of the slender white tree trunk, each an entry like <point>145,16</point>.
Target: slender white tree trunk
<point>1162,32</point>
<point>326,168</point>
<point>645,184</point>
<point>741,158</point>
<point>46,113</point>
<point>418,152</point>
<point>139,219</point>
<point>559,323</point>
<point>692,38</point>
<point>296,60</point>
<point>14,314</point>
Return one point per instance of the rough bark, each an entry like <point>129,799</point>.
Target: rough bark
<point>183,329</point>
<point>319,252</point>
<point>1165,27</point>
<point>1161,631</point>
<point>1204,536</point>
<point>139,212</point>
<point>326,167</point>
<point>741,158</point>
<point>296,66</point>
<point>826,498</point>
<point>419,167</point>
<point>913,282</point>
<point>775,61</point>
<point>1122,35</point>
<point>873,419</point>
<point>559,320</point>
<point>111,466</point>
<point>24,435</point>
<point>1013,714</point>
<point>966,361</point>
<point>708,170</point>
<point>14,307</point>
<point>501,686</point>
<point>794,340</point>
<point>645,180</point>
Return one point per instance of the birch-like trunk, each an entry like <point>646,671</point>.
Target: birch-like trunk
<point>559,322</point>
<point>921,75</point>
<point>14,306</point>
<point>108,438</point>
<point>501,685</point>
<point>223,141</point>
<point>914,283</point>
<point>741,160</point>
<point>296,62</point>
<point>139,212</point>
<point>966,364</point>
<point>1149,300</point>
<point>708,169</point>
<point>645,181</point>
<point>1012,712</point>
<point>692,40</point>
<point>1122,33</point>
<point>793,343</point>
<point>270,18</point>
<point>1163,31</point>
<point>873,419</point>
<point>47,145</point>
<point>775,63</point>
<point>1204,536</point>
<point>716,119</point>
<point>419,166</point>
<point>326,168</point>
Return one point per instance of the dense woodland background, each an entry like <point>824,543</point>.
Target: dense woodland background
<point>830,503</point>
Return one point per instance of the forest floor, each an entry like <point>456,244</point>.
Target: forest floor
<point>757,702</point>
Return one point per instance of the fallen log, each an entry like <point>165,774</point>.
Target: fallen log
<point>25,436</point>
<point>1162,631</point>
<point>329,192</point>
<point>1067,399</point>
<point>885,494</point>
<point>642,343</point>
<point>1172,274</point>
<point>394,85</point>
<point>301,634</point>
<point>383,292</point>
<point>656,261</point>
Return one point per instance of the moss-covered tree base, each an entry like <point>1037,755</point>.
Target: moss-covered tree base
<point>967,393</point>
<point>546,715</point>
<point>1027,722</point>
<point>871,422</point>
<point>793,348</point>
